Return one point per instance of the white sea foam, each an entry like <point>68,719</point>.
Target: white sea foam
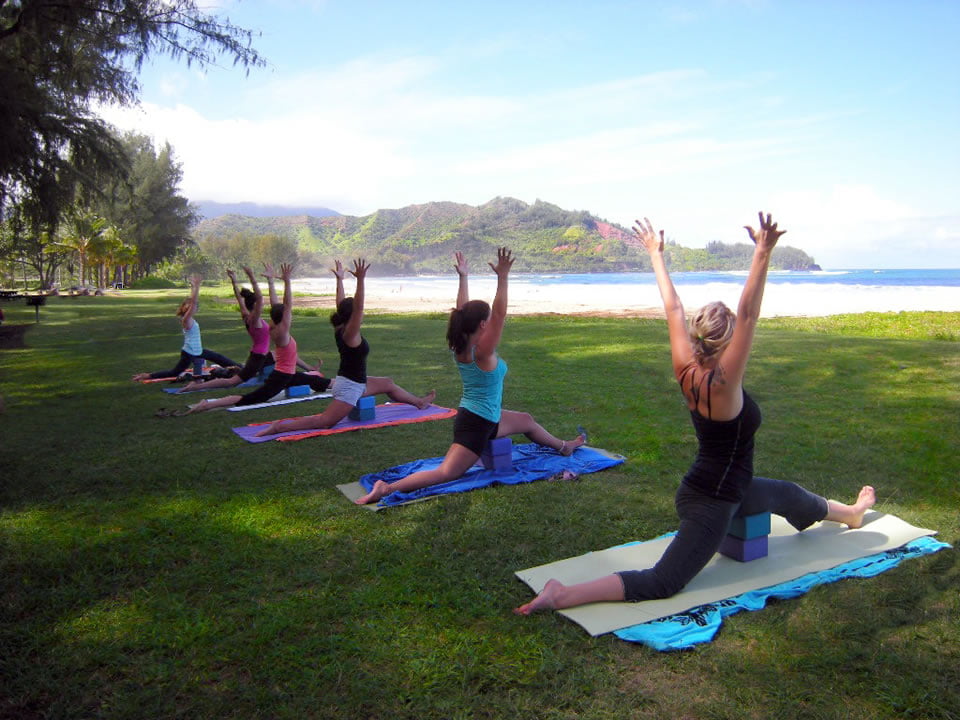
<point>526,295</point>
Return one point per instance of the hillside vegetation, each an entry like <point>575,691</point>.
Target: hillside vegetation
<point>420,239</point>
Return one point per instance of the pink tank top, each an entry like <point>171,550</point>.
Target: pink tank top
<point>286,357</point>
<point>261,338</point>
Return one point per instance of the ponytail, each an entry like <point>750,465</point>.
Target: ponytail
<point>711,329</point>
<point>464,322</point>
<point>249,299</point>
<point>343,312</point>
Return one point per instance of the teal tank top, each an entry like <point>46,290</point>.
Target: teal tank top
<point>482,390</point>
<point>191,340</point>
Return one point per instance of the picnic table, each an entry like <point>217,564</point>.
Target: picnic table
<point>9,294</point>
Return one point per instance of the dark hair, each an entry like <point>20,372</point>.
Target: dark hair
<point>276,313</point>
<point>343,313</point>
<point>249,299</point>
<point>464,322</point>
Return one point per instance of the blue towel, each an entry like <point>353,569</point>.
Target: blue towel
<point>699,625</point>
<point>530,462</point>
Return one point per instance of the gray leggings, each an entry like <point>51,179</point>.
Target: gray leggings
<point>703,525</point>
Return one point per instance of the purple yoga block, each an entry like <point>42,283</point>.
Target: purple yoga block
<point>748,527</point>
<point>744,550</point>
<point>497,463</point>
<point>500,446</point>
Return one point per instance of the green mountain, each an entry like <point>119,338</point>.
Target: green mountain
<point>420,239</point>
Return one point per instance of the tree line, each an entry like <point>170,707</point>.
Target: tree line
<point>74,193</point>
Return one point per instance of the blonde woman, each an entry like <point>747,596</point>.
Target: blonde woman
<point>709,360</point>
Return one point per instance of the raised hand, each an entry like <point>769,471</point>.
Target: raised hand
<point>504,262</point>
<point>268,271</point>
<point>232,275</point>
<point>766,237</point>
<point>652,241</point>
<point>461,263</point>
<point>286,271</point>
<point>360,267</point>
<point>195,280</point>
<point>337,270</point>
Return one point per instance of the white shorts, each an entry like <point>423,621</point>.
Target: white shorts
<point>346,390</point>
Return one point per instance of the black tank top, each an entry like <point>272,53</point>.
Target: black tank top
<point>724,464</point>
<point>353,360</point>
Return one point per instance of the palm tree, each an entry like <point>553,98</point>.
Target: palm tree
<point>81,231</point>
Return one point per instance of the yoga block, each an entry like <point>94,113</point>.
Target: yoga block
<point>367,402</point>
<point>266,370</point>
<point>498,455</point>
<point>198,366</point>
<point>500,446</point>
<point>363,413</point>
<point>744,550</point>
<point>748,527</point>
<point>298,391</point>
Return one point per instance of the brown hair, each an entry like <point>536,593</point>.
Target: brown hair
<point>464,322</point>
<point>711,328</point>
<point>184,307</point>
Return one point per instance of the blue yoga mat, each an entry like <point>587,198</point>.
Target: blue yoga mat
<point>530,462</point>
<point>700,624</point>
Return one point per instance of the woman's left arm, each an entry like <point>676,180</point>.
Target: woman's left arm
<point>351,333</point>
<point>187,319</point>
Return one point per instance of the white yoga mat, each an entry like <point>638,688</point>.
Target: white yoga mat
<point>283,400</point>
<point>791,554</point>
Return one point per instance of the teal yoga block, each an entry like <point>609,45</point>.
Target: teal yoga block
<point>744,550</point>
<point>748,527</point>
<point>295,391</point>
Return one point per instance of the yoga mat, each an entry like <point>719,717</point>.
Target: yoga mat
<point>791,555</point>
<point>700,624</point>
<point>252,382</point>
<point>387,414</point>
<point>530,462</point>
<point>280,399</point>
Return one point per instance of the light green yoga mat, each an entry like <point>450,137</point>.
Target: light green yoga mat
<point>791,555</point>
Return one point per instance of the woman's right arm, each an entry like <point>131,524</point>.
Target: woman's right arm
<point>463,291</point>
<point>236,293</point>
<point>351,332</point>
<point>254,315</point>
<point>681,351</point>
<point>269,274</point>
<point>187,319</point>
<point>337,271</point>
<point>487,344</point>
<point>748,311</point>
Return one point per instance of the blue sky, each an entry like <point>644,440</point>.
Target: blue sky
<point>842,118</point>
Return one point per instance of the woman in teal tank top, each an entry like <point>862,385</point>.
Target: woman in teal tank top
<point>473,333</point>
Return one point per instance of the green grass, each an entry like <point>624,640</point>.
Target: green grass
<point>162,568</point>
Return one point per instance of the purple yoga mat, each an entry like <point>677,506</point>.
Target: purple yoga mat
<point>388,414</point>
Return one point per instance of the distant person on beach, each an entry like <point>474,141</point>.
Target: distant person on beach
<point>285,372</point>
<point>709,359</point>
<point>192,349</point>
<point>473,333</point>
<point>352,381</point>
<point>250,303</point>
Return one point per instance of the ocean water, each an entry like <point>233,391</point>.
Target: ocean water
<point>814,293</point>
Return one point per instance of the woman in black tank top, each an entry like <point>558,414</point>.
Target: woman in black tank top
<point>709,357</point>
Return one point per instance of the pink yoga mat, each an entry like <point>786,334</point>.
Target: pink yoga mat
<point>387,414</point>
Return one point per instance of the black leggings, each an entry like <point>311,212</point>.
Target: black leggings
<point>277,382</point>
<point>186,360</point>
<point>255,363</point>
<point>703,524</point>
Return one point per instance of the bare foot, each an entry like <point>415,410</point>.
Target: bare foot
<point>189,387</point>
<point>196,407</point>
<point>546,600</point>
<point>380,488</point>
<point>141,376</point>
<point>852,515</point>
<point>570,445</point>
<point>427,400</point>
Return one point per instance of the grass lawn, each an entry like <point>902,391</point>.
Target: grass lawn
<point>162,568</point>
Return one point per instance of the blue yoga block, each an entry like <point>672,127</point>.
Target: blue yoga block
<point>497,463</point>
<point>744,550</point>
<point>500,446</point>
<point>748,527</point>
<point>298,391</point>
<point>367,402</point>
<point>363,413</point>
<point>198,366</point>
